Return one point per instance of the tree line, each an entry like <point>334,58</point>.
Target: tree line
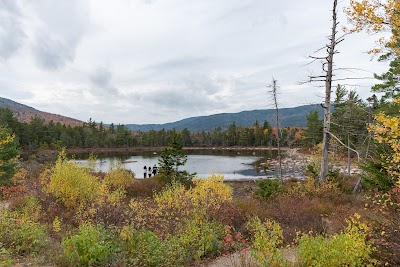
<point>38,134</point>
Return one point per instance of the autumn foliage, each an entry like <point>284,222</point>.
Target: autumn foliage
<point>377,16</point>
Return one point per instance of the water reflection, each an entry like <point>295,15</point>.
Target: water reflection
<point>234,165</point>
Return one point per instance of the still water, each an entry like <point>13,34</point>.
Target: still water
<point>233,164</point>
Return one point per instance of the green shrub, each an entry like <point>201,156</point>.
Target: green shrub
<point>313,170</point>
<point>376,176</point>
<point>20,231</point>
<point>5,256</point>
<point>348,248</point>
<point>195,239</point>
<point>268,187</point>
<point>142,247</point>
<point>267,239</point>
<point>93,245</point>
<point>21,234</point>
<point>8,155</point>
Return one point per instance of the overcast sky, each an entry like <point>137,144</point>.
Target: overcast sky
<point>157,61</point>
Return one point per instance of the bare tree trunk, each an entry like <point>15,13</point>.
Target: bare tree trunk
<point>328,89</point>
<point>348,155</point>
<point>278,138</point>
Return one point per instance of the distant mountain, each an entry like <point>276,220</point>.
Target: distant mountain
<point>288,117</point>
<point>25,113</point>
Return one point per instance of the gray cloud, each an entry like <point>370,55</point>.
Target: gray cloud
<point>11,33</point>
<point>101,79</point>
<point>181,63</point>
<point>10,6</point>
<point>52,54</point>
<point>6,91</point>
<point>195,94</point>
<point>64,24</point>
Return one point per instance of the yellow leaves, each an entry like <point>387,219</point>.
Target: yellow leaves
<point>7,139</point>
<point>113,186</point>
<point>176,203</point>
<point>387,130</point>
<point>267,239</point>
<point>57,224</point>
<point>172,196</point>
<point>376,16</point>
<point>211,191</point>
<point>70,183</point>
<point>118,178</point>
<point>79,190</point>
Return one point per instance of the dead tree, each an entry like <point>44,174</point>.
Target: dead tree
<point>273,92</point>
<point>327,78</point>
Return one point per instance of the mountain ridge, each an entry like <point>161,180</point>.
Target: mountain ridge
<point>288,117</point>
<point>25,113</point>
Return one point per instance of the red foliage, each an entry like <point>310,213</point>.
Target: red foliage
<point>9,192</point>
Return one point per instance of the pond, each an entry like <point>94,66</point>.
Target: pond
<point>233,164</point>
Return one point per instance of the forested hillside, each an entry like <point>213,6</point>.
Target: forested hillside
<point>25,113</point>
<point>289,117</point>
<point>38,134</point>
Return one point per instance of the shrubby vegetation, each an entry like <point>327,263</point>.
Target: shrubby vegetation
<point>21,233</point>
<point>347,248</point>
<point>92,245</point>
<point>180,225</point>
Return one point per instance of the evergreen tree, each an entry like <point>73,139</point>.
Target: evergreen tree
<point>312,134</point>
<point>350,118</point>
<point>171,159</point>
<point>8,155</point>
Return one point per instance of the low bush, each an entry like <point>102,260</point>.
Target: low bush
<point>268,188</point>
<point>195,238</point>
<point>310,189</point>
<point>313,170</point>
<point>348,248</point>
<point>92,245</point>
<point>5,256</point>
<point>142,247</point>
<point>20,231</point>
<point>146,187</point>
<point>115,184</point>
<point>71,184</point>
<point>267,240</point>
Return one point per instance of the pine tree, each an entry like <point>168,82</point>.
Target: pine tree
<point>8,155</point>
<point>171,159</point>
<point>312,134</point>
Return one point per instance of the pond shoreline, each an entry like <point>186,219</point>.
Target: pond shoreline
<point>161,148</point>
<point>293,163</point>
<point>95,150</point>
